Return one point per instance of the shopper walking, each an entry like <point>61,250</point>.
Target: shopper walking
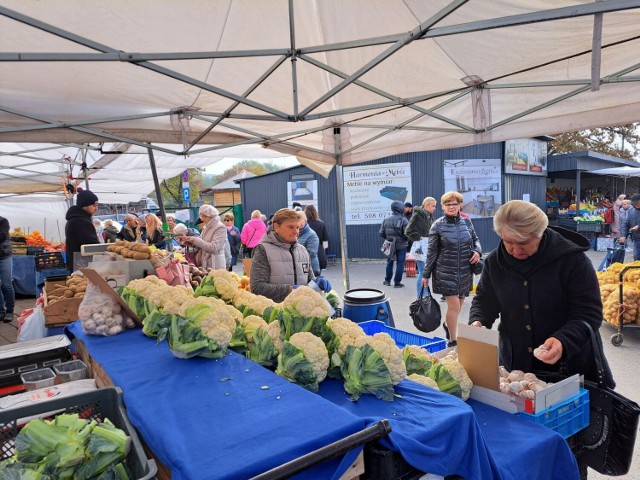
<point>394,227</point>
<point>79,229</point>
<point>251,234</point>
<point>211,243</point>
<point>7,294</point>
<point>233,237</point>
<point>453,248</point>
<point>418,232</point>
<point>318,226</point>
<point>631,226</point>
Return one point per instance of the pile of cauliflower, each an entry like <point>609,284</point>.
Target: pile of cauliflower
<point>297,337</point>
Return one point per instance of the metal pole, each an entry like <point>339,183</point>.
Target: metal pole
<point>84,168</point>
<point>578,193</point>
<point>369,434</point>
<point>341,214</point>
<point>156,183</point>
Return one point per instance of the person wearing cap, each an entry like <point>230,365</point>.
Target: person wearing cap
<point>79,229</point>
<point>211,243</point>
<point>631,226</point>
<point>130,232</point>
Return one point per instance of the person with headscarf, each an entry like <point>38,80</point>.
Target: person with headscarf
<point>212,240</point>
<point>79,229</point>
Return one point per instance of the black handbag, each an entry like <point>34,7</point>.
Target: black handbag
<point>607,444</point>
<point>425,312</point>
<point>476,268</point>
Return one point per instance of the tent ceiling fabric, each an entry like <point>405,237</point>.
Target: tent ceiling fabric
<point>396,75</point>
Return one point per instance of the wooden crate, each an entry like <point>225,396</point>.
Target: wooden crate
<point>62,312</point>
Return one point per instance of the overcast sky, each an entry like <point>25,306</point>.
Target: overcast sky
<point>219,167</point>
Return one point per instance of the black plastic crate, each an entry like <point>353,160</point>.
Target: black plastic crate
<point>92,405</point>
<point>18,358</point>
<point>380,463</point>
<point>49,260</point>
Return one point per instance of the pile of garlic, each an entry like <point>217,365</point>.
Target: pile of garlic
<point>523,385</point>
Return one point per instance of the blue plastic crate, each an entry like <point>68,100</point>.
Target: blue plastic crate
<point>403,338</point>
<point>567,417</point>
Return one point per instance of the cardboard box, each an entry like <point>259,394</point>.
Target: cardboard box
<point>62,312</point>
<point>478,353</point>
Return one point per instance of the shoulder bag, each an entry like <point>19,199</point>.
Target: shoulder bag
<point>425,312</point>
<point>607,443</point>
<point>389,248</point>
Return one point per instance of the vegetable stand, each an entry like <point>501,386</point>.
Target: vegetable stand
<point>205,418</point>
<point>617,338</point>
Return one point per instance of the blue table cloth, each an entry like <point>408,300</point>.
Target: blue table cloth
<point>24,274</point>
<point>213,419</point>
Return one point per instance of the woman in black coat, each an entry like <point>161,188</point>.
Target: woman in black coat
<point>542,285</point>
<point>318,226</point>
<point>453,248</point>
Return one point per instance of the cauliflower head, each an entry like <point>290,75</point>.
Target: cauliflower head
<point>390,353</point>
<point>457,371</point>
<point>273,329</point>
<point>315,351</point>
<point>250,324</point>
<point>417,360</point>
<point>215,330</point>
<point>226,283</point>
<point>426,381</point>
<point>307,302</point>
<point>346,331</point>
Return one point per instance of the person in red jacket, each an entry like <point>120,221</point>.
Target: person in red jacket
<point>250,236</point>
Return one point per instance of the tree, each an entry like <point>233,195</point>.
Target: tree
<point>618,140</point>
<point>171,188</point>
<point>253,166</point>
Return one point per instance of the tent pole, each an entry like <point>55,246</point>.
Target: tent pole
<point>577,193</point>
<point>156,183</point>
<point>84,168</point>
<point>341,214</point>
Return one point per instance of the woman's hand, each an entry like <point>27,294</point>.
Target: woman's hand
<point>475,258</point>
<point>478,324</point>
<point>554,349</point>
<point>425,282</point>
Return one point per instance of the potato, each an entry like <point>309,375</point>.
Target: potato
<point>69,293</point>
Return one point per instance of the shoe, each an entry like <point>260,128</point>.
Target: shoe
<point>386,283</point>
<point>452,343</point>
<point>8,317</point>
<point>398,285</point>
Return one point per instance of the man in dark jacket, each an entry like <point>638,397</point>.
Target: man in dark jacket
<point>7,294</point>
<point>79,229</point>
<point>542,285</point>
<point>630,226</point>
<point>393,227</point>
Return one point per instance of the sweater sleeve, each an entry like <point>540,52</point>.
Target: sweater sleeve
<point>261,275</point>
<point>412,232</point>
<point>216,245</point>
<point>485,307</point>
<point>312,247</point>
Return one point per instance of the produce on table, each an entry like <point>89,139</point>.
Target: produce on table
<point>304,360</point>
<point>262,348</point>
<point>520,384</point>
<point>303,310</point>
<point>390,353</point>
<point>364,371</point>
<point>421,379</point>
<point>188,338</point>
<point>588,218</point>
<point>68,447</point>
<point>338,334</point>
<point>218,283</point>
<point>135,250</point>
<point>74,287</point>
<point>418,360</point>
<point>101,314</point>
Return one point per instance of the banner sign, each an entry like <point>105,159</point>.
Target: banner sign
<point>370,190</point>
<point>480,183</point>
<point>304,192</point>
<point>526,156</point>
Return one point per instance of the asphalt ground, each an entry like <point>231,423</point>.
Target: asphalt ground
<point>370,274</point>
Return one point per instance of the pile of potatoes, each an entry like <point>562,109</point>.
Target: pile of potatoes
<point>610,294</point>
<point>74,287</point>
<point>135,250</point>
<point>197,274</point>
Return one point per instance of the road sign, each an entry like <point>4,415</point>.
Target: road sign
<point>185,176</point>
<point>186,195</point>
<point>185,185</point>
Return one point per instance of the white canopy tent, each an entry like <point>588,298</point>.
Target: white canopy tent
<point>622,172</point>
<point>333,82</point>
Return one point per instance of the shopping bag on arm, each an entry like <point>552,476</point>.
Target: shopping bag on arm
<point>425,312</point>
<point>389,248</point>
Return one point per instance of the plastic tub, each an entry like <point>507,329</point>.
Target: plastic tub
<point>566,418</point>
<point>44,377</point>
<point>403,338</point>
<point>363,304</point>
<point>70,371</point>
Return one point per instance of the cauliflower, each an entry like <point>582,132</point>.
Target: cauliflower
<point>262,349</point>
<point>338,334</point>
<point>273,329</point>
<point>250,324</point>
<point>304,360</point>
<point>251,304</point>
<point>364,371</point>
<point>307,302</point>
<point>452,377</point>
<point>390,353</point>
<point>233,311</point>
<point>417,360</point>
<point>426,381</point>
<point>218,283</point>
<point>215,330</point>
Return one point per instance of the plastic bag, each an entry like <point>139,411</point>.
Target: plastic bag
<point>33,327</point>
<point>101,314</point>
<point>174,273</point>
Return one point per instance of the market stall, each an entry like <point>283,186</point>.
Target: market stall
<point>27,280</point>
<point>202,415</point>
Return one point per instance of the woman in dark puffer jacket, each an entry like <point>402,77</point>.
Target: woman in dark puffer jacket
<point>453,248</point>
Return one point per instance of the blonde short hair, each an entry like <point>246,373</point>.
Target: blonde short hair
<point>284,215</point>
<point>256,214</point>
<point>451,197</point>
<point>428,201</point>
<point>521,220</point>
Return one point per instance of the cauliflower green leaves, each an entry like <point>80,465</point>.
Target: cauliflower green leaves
<point>364,371</point>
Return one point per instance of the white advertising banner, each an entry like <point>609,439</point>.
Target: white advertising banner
<point>526,156</point>
<point>370,190</point>
<point>480,183</point>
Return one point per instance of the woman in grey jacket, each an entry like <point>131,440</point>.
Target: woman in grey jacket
<point>453,248</point>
